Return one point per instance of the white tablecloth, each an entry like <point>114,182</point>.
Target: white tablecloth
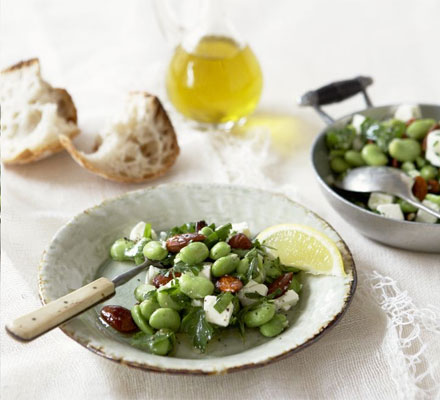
<point>388,344</point>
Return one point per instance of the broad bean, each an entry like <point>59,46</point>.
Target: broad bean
<point>225,265</point>
<point>196,287</point>
<point>165,318</point>
<point>140,321</point>
<point>194,253</point>
<point>354,158</point>
<point>154,250</point>
<point>420,161</point>
<point>162,342</point>
<point>275,326</point>
<point>429,172</point>
<point>406,207</point>
<point>220,249</point>
<point>166,301</point>
<point>404,149</point>
<point>142,290</point>
<point>336,153</point>
<point>243,266</point>
<point>260,315</point>
<point>148,307</point>
<point>206,231</point>
<point>435,198</point>
<point>419,128</point>
<point>373,155</point>
<point>118,249</point>
<point>408,166</point>
<point>339,165</point>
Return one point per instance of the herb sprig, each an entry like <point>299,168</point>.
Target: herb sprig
<point>196,326</point>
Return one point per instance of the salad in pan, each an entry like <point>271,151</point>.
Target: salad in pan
<point>407,141</point>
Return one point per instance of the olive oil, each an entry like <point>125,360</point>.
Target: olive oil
<point>218,82</point>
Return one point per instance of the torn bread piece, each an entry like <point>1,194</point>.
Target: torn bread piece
<point>34,114</point>
<point>139,145</point>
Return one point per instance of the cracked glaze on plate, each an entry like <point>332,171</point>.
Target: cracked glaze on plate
<point>79,253</point>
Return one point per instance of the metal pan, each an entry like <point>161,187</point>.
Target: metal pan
<point>403,234</point>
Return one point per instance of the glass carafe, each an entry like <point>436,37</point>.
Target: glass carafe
<point>213,77</point>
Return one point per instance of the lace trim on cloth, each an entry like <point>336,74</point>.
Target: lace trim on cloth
<point>411,332</point>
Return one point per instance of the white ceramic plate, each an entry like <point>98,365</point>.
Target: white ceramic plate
<point>79,253</point>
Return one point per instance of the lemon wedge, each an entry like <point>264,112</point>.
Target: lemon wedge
<point>303,247</point>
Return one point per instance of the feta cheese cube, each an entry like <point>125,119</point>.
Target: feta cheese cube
<point>433,147</point>
<point>151,274</point>
<point>251,287</point>
<point>357,121</point>
<point>197,303</point>
<point>241,227</point>
<point>391,211</point>
<point>378,198</point>
<point>423,216</point>
<point>138,232</point>
<point>213,316</point>
<point>405,112</point>
<point>206,270</point>
<point>286,301</point>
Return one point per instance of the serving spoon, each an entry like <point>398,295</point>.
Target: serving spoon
<point>383,179</point>
<point>53,314</point>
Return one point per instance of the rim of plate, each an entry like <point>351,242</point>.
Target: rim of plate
<point>152,368</point>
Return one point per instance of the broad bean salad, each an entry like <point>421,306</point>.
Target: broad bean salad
<point>206,279</point>
<point>406,141</point>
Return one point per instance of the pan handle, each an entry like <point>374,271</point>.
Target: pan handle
<point>334,93</point>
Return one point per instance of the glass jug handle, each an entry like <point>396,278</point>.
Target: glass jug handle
<point>173,18</point>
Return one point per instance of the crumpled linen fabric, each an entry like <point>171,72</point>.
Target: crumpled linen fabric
<point>387,346</point>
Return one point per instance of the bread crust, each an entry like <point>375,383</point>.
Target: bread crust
<point>20,65</point>
<point>28,156</point>
<point>160,117</point>
<point>65,109</point>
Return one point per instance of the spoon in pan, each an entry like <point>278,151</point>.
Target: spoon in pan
<point>53,314</point>
<point>383,179</point>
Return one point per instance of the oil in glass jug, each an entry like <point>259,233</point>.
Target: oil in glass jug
<point>213,76</point>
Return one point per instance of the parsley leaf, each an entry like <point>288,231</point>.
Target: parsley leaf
<point>149,343</point>
<point>295,285</point>
<point>223,300</point>
<point>182,268</point>
<point>211,240</point>
<point>340,139</point>
<point>140,340</point>
<point>169,260</point>
<point>196,325</point>
<point>273,268</point>
<point>287,268</point>
<point>189,227</point>
<point>147,231</point>
<point>177,296</point>
<point>382,133</point>
<point>223,231</point>
<point>253,270</point>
